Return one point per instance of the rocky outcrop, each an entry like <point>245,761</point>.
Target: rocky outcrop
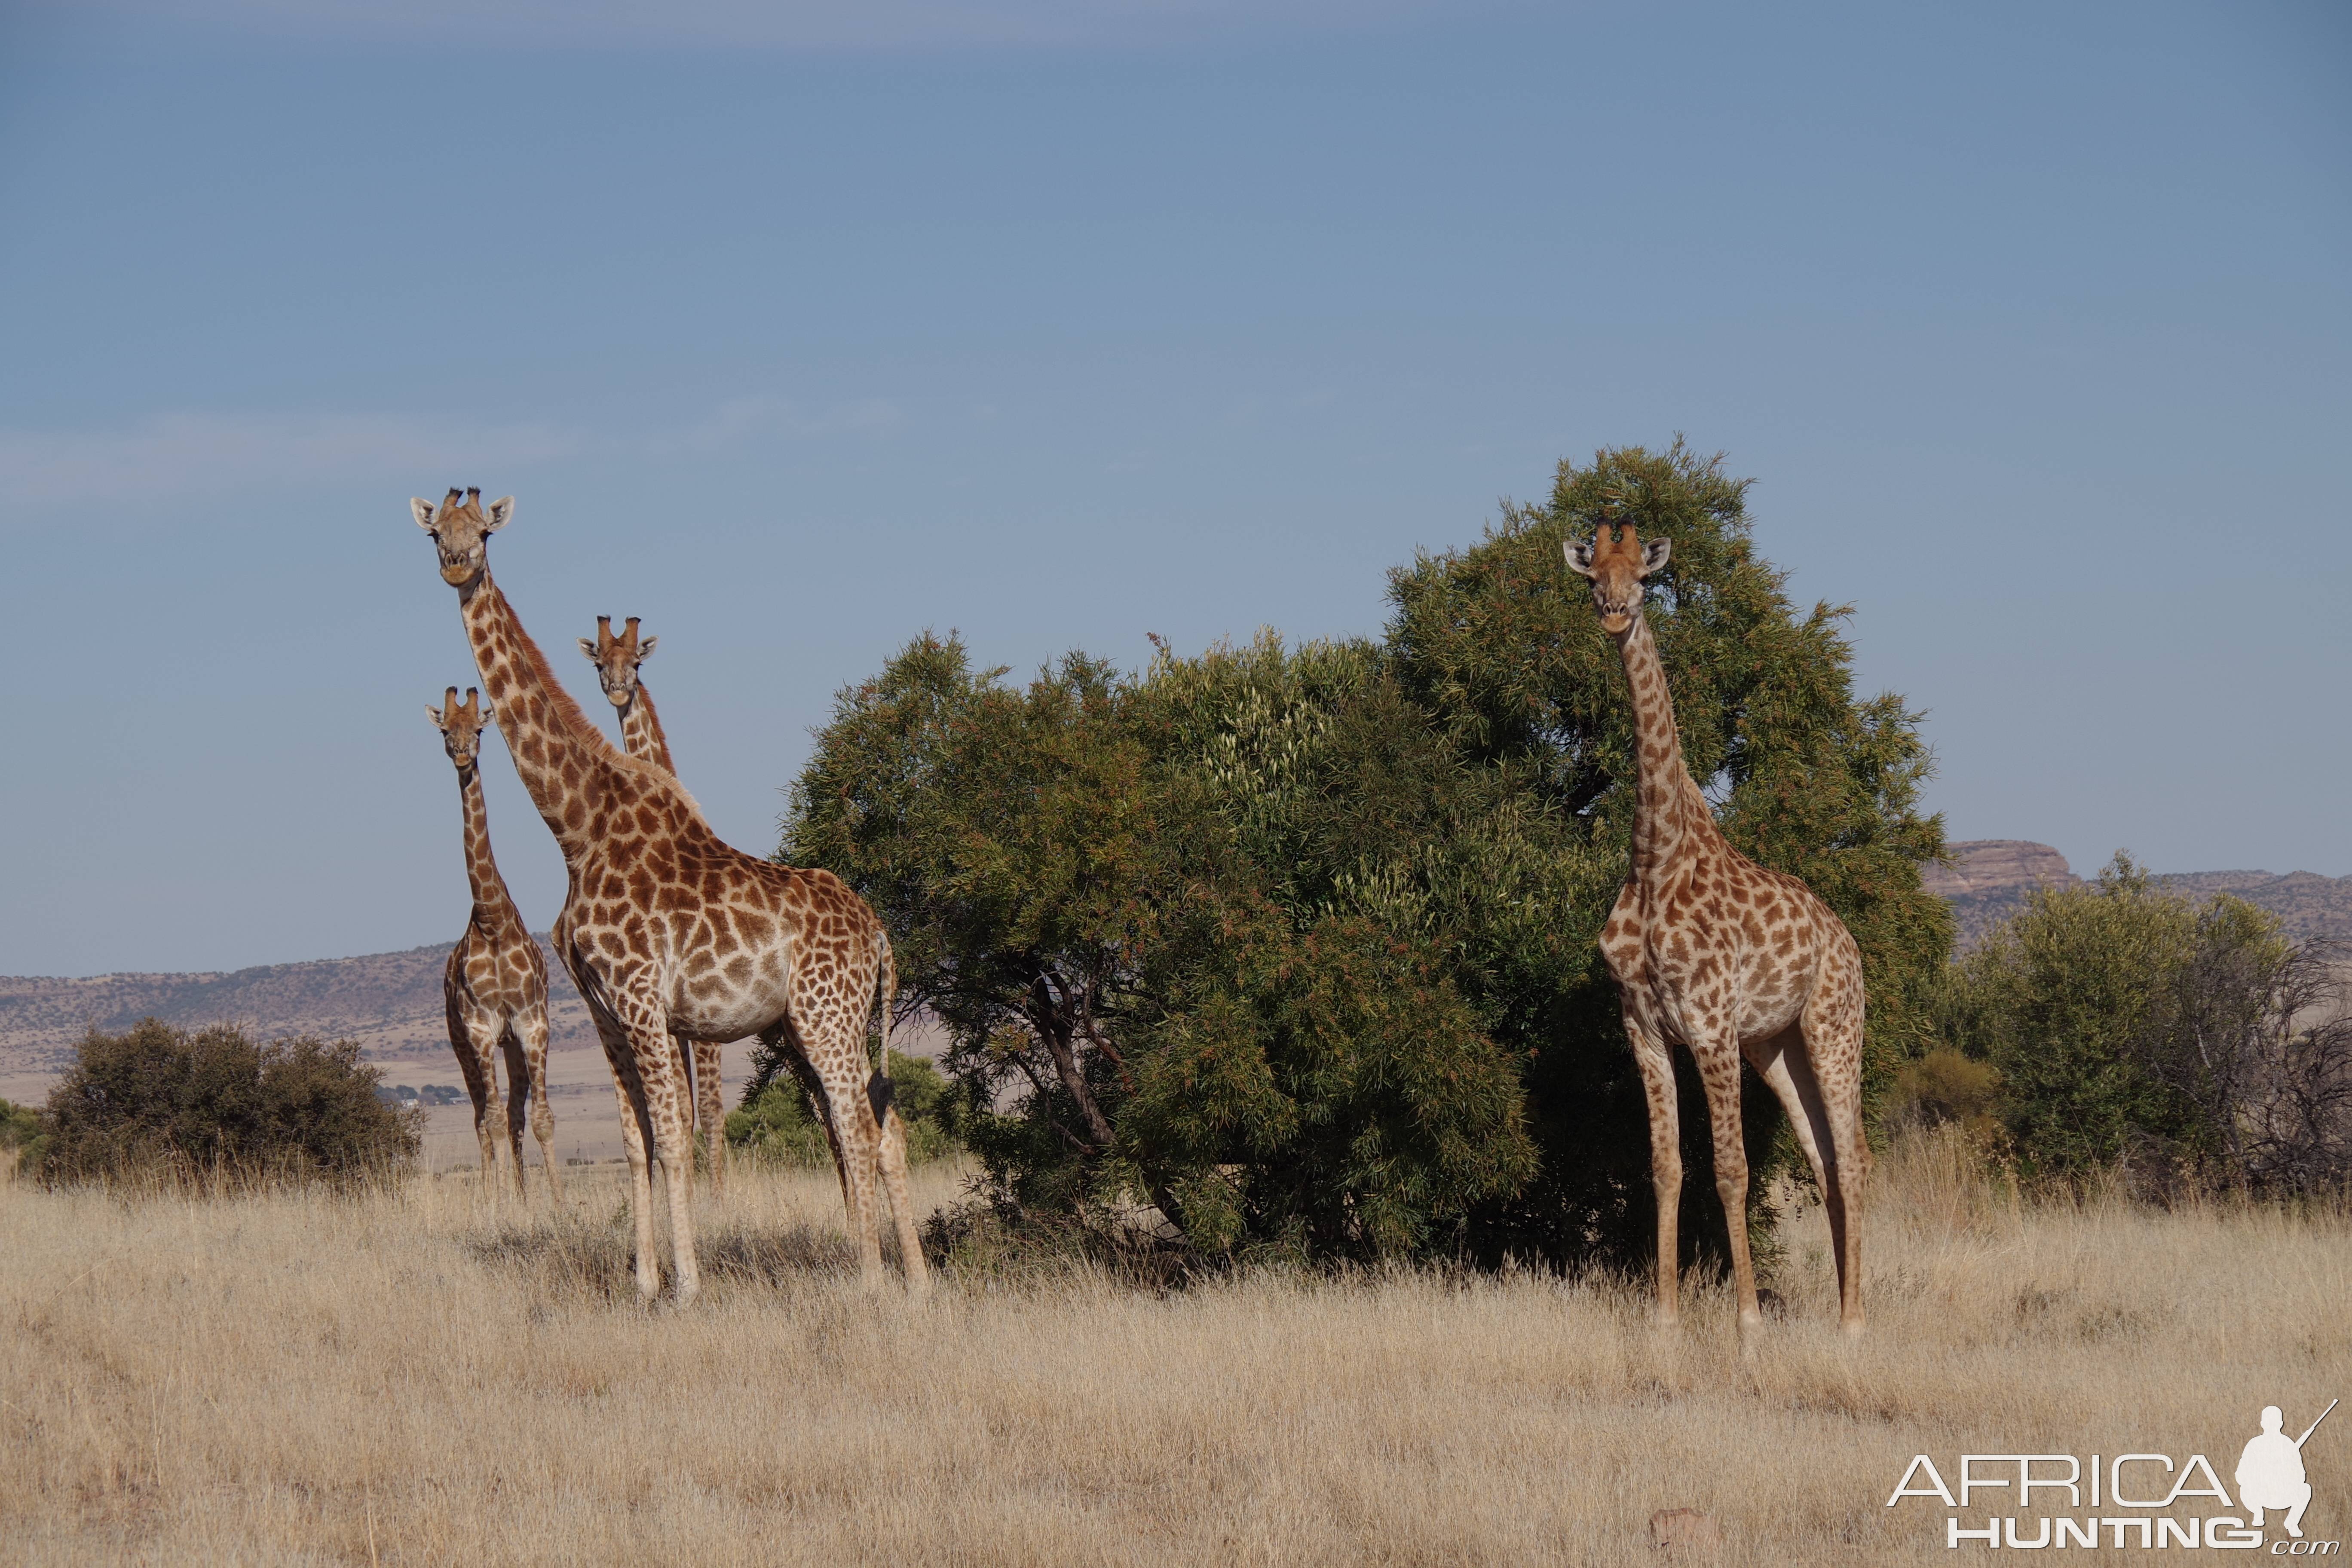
<point>1987,880</point>
<point>1996,865</point>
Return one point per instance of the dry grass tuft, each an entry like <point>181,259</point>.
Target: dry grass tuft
<point>438,1376</point>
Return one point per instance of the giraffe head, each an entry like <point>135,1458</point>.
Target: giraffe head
<point>616,659</point>
<point>1616,567</point>
<point>461,527</point>
<point>461,725</point>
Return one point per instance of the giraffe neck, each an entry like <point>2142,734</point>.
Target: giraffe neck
<point>491,902</point>
<point>565,764</point>
<point>641,731</point>
<point>1670,815</point>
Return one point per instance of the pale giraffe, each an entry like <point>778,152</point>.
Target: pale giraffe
<point>494,988</point>
<point>1716,952</point>
<point>616,660</point>
<point>670,933</point>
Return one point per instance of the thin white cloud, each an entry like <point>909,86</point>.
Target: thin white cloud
<point>176,455</point>
<point>767,417</point>
<point>189,454</point>
<point>785,24</point>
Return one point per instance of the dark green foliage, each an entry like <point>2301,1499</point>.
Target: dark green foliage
<point>21,1132</point>
<point>1945,1086</point>
<point>775,1122</point>
<point>2127,1023</point>
<point>2065,1001</point>
<point>1507,656</point>
<point>214,1106</point>
<point>1298,943</point>
<point>19,1125</point>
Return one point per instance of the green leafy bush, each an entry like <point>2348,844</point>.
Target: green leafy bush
<point>22,1140</point>
<point>212,1106</point>
<point>775,1122</point>
<point>1946,1086</point>
<point>2130,1026</point>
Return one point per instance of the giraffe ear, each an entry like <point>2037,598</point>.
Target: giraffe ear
<point>1655,553</point>
<point>423,511</point>
<point>646,648</point>
<point>1580,556</point>
<point>488,718</point>
<point>434,714</point>
<point>589,649</point>
<point>499,512</point>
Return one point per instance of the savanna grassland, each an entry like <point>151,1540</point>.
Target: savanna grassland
<point>426,1376</point>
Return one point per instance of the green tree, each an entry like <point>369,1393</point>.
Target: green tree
<point>1317,924</point>
<point>1007,838</point>
<point>1507,658</point>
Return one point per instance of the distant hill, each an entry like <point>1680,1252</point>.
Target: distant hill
<point>1988,880</point>
<point>389,1001</point>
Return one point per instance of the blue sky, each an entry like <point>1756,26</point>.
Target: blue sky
<point>798,329</point>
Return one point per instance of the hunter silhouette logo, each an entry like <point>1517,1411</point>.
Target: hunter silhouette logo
<point>2141,1489</point>
<point>2270,1472</point>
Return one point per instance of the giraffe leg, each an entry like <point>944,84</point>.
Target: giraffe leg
<point>542,1119</point>
<point>858,1146</point>
<point>710,1110</point>
<point>517,1101</point>
<point>1657,1068</point>
<point>663,1101</point>
<point>821,1107</point>
<point>902,1206</point>
<point>478,1062</point>
<point>1718,1071</point>
<point>1785,1064</point>
<point>635,1135</point>
<point>1832,1035</point>
<point>686,1066</point>
<point>669,1105</point>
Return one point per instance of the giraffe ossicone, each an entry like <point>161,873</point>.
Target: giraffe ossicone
<point>1729,959</point>
<point>670,934</point>
<point>494,986</point>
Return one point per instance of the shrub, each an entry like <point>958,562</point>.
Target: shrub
<point>22,1141</point>
<point>1946,1086</point>
<point>775,1123</point>
<point>2126,1024</point>
<point>212,1106</point>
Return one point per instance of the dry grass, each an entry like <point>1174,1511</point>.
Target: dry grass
<point>416,1378</point>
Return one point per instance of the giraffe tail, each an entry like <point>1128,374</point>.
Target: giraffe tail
<point>879,1088</point>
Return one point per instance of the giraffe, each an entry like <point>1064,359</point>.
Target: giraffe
<point>669,931</point>
<point>1730,959</point>
<point>495,986</point>
<point>616,660</point>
